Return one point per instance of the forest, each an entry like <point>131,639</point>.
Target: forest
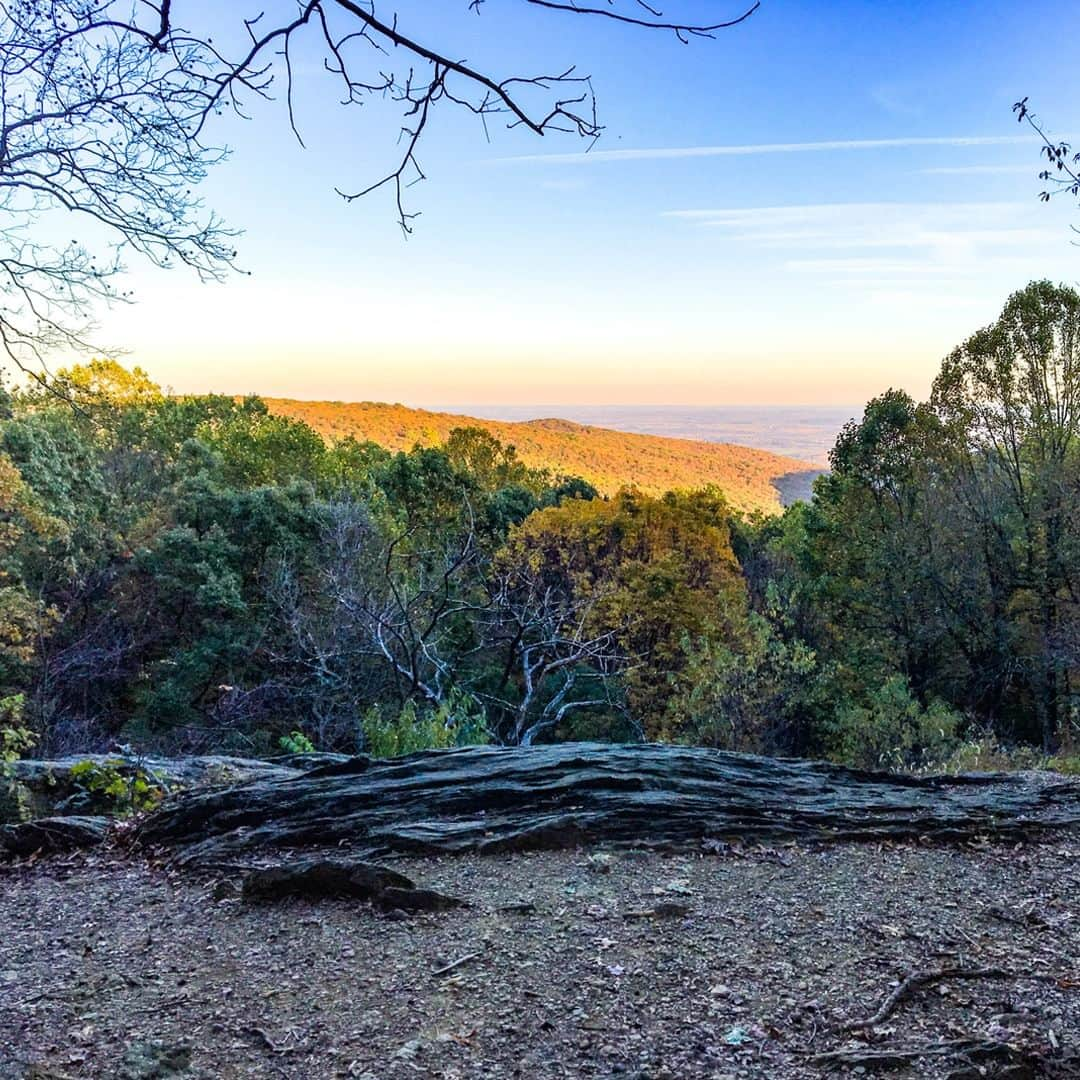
<point>195,574</point>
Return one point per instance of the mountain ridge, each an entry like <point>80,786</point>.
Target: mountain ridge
<point>751,479</point>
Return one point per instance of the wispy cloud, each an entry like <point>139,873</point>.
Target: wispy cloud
<point>661,153</point>
<point>978,170</point>
<point>900,99</point>
<point>564,184</point>
<point>865,224</point>
<point>928,240</point>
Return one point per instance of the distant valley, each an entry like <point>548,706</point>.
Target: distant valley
<point>752,479</point>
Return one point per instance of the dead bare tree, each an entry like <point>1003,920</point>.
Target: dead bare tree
<point>322,647</point>
<point>413,617</point>
<point>555,660</point>
<point>386,613</point>
<point>382,615</point>
<point>108,110</point>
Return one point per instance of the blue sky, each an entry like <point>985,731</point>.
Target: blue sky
<point>813,207</point>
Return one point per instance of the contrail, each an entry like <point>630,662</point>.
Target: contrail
<point>666,153</point>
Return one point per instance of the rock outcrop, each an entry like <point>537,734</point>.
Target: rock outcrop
<point>489,799</point>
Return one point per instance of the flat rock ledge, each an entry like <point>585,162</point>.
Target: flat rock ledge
<point>52,835</point>
<point>488,799</point>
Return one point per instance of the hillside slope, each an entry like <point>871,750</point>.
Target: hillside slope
<point>751,479</point>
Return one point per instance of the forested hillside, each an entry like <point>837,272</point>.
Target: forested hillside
<point>202,573</point>
<point>609,460</point>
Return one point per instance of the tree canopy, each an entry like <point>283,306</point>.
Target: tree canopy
<point>197,572</point>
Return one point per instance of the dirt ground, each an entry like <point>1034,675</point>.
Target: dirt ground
<point>729,964</point>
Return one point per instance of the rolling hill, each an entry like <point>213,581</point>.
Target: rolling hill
<point>751,479</point>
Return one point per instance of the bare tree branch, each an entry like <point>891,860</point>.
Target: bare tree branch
<point>682,30</point>
<point>106,105</point>
<point>1064,171</point>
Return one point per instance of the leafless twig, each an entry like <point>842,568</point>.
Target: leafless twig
<point>917,981</point>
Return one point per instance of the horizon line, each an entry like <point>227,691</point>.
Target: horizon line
<point>444,405</point>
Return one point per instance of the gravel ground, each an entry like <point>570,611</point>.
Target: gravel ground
<point>729,964</point>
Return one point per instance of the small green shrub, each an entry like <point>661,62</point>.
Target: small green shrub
<point>742,695</point>
<point>892,730</point>
<point>458,721</point>
<point>1069,764</point>
<point>114,787</point>
<point>15,740</point>
<point>296,742</point>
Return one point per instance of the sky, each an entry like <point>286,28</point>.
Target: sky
<point>811,208</point>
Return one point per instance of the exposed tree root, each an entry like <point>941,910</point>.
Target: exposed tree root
<point>917,980</point>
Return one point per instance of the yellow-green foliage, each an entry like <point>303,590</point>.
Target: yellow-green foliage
<point>609,460</point>
<point>15,740</point>
<point>105,382</point>
<point>456,722</point>
<point>654,572</point>
<point>116,789</point>
<point>892,731</point>
<point>296,742</point>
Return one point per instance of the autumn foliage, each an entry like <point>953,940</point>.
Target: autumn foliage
<point>209,573</point>
<point>609,460</point>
